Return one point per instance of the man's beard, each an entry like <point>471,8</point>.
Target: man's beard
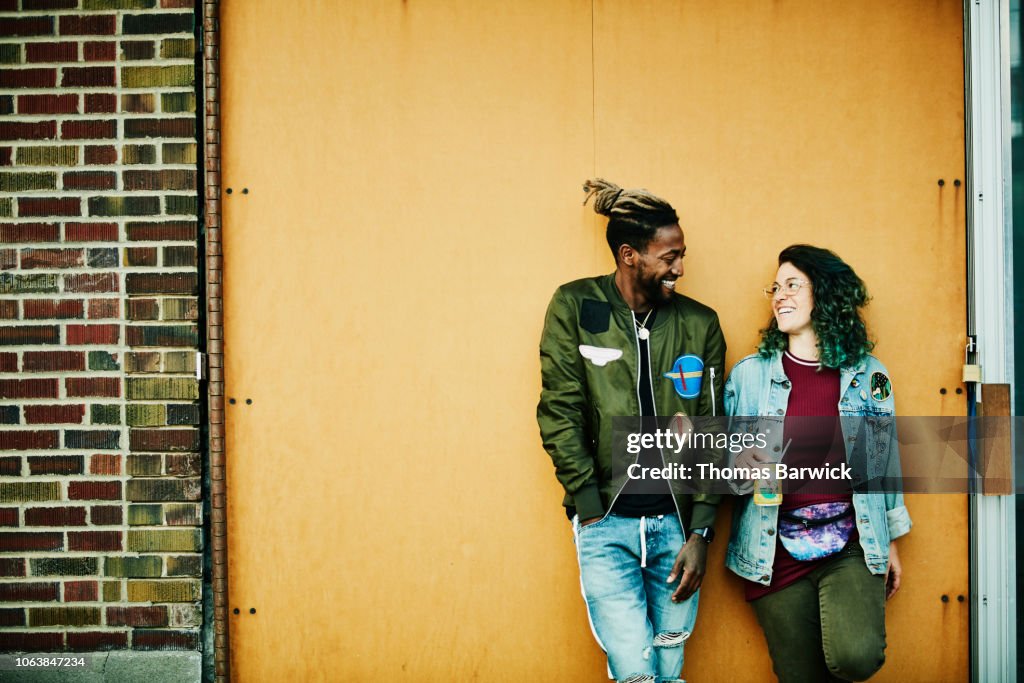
<point>654,292</point>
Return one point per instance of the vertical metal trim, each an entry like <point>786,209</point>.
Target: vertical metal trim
<point>993,546</point>
<point>215,335</point>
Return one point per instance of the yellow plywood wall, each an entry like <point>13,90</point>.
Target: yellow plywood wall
<point>413,173</point>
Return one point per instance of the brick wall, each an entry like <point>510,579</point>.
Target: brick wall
<point>100,470</point>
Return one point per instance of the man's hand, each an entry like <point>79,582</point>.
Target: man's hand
<point>590,521</point>
<point>690,564</point>
<point>894,573</point>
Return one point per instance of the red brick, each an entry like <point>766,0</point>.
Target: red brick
<point>64,516</point>
<point>53,361</point>
<point>29,232</point>
<point>24,540</point>
<point>48,104</point>
<point>93,641</point>
<point>59,414</point>
<point>8,362</point>
<point>89,25</point>
<point>101,154</point>
<point>142,256</point>
<point>93,334</point>
<point>164,439</point>
<point>93,386</point>
<point>144,639</point>
<point>29,441</point>
<point>104,308</point>
<point>28,78</point>
<point>8,309</point>
<point>51,258</point>
<point>59,309</point>
<point>96,103</point>
<point>143,309</point>
<point>51,52</point>
<point>27,130</point>
<point>28,388</point>
<point>105,463</point>
<point>29,334</point>
<point>8,516</point>
<point>26,26</point>
<point>174,231</point>
<point>94,540</point>
<point>10,465</point>
<point>94,490</point>
<point>12,616</point>
<point>6,156</point>
<point>88,130</point>
<point>137,616</point>
<point>56,464</point>
<point>13,566</point>
<point>81,591</point>
<point>106,515</point>
<point>8,259</point>
<point>90,232</point>
<point>100,51</point>
<point>24,641</point>
<point>167,4</point>
<point>88,77</point>
<point>49,206</point>
<point>89,180</point>
<point>99,282</point>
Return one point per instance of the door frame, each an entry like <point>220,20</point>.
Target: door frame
<point>990,321</point>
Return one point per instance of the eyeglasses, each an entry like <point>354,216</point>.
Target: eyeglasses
<point>791,287</point>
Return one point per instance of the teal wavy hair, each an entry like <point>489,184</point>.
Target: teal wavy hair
<point>839,294</point>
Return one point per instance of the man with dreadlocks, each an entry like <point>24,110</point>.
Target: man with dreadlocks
<point>626,344</point>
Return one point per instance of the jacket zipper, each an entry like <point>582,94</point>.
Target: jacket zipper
<point>654,404</point>
<point>712,370</point>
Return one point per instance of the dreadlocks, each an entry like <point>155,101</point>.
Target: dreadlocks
<point>634,216</point>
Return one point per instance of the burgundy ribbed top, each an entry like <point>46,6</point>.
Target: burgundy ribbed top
<point>814,393</point>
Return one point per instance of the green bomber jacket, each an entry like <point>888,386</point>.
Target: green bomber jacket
<point>590,362</point>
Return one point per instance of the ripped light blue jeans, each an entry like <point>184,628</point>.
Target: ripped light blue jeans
<point>624,564</point>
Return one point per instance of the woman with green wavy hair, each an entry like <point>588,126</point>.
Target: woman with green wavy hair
<point>819,560</point>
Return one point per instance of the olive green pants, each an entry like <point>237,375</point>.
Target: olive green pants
<point>829,625</point>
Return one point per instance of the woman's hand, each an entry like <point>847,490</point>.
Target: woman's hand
<point>752,460</point>
<point>894,573</point>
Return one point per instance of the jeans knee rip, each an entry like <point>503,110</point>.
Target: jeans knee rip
<point>639,678</point>
<point>671,638</point>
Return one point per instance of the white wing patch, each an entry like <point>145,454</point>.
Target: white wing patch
<point>599,355</point>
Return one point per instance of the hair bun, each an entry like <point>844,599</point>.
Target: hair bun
<point>604,193</point>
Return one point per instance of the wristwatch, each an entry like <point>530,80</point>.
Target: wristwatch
<point>705,532</point>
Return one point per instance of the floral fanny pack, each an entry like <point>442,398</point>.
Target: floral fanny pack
<point>816,531</point>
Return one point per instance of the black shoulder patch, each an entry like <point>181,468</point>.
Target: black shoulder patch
<point>595,316</point>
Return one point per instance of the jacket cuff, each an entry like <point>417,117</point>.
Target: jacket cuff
<point>587,502</point>
<point>899,521</point>
<point>702,515</point>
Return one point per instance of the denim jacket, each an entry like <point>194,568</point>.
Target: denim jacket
<point>759,387</point>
